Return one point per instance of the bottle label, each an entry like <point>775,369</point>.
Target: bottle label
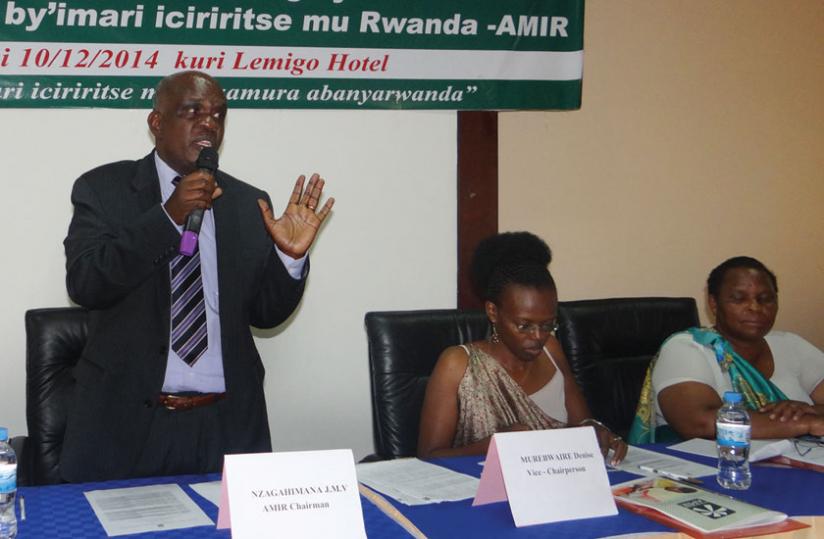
<point>8,478</point>
<point>732,434</point>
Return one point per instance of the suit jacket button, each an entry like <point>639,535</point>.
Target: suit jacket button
<point>148,403</point>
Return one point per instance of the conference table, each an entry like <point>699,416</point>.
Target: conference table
<point>62,511</point>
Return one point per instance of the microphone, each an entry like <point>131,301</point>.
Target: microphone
<point>207,162</point>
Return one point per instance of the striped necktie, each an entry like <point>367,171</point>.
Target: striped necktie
<point>189,338</point>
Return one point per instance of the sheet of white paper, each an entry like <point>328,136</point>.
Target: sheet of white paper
<point>697,446</point>
<point>414,482</point>
<point>209,490</point>
<point>637,457</point>
<point>151,508</point>
<point>759,449</point>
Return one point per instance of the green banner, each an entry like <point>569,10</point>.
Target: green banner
<point>327,54</point>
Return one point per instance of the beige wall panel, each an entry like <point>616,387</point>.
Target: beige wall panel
<point>701,137</point>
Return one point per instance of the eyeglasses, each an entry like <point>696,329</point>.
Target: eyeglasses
<point>549,327</point>
<point>803,446</point>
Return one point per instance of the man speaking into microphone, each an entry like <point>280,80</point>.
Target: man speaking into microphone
<point>170,380</point>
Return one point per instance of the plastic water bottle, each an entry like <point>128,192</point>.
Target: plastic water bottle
<point>8,487</point>
<point>732,435</point>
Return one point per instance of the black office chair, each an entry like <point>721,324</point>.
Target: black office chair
<point>403,349</point>
<point>609,344</point>
<point>54,342</point>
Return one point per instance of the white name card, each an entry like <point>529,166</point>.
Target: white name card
<point>301,494</point>
<point>547,476</point>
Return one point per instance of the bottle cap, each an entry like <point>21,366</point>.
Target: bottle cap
<point>732,397</point>
<point>4,434</point>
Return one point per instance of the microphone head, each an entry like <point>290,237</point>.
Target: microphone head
<point>207,159</point>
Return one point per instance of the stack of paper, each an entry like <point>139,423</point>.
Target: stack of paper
<point>645,462</point>
<point>124,511</point>
<point>414,482</point>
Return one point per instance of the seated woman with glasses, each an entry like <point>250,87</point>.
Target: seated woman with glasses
<point>519,378</point>
<point>779,375</point>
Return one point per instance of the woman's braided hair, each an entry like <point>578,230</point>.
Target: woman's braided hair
<point>510,258</point>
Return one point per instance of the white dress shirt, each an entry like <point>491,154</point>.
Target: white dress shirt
<point>206,375</point>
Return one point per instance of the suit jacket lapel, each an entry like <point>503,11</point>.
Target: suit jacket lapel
<point>225,216</point>
<point>146,186</point>
<point>146,183</point>
<point>224,213</point>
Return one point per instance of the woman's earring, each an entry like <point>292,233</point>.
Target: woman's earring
<point>493,338</point>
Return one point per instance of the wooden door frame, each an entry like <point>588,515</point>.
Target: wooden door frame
<point>477,192</point>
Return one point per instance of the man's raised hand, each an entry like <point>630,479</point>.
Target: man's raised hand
<point>296,229</point>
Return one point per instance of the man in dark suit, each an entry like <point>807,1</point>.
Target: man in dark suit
<point>170,379</point>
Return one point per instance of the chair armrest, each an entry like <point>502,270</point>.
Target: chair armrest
<point>20,444</point>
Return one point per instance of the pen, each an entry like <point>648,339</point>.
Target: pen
<point>670,475</point>
<point>22,508</point>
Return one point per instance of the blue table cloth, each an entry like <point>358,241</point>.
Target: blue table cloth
<point>62,511</point>
<point>790,490</point>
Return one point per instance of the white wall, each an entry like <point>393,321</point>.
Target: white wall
<point>390,242</point>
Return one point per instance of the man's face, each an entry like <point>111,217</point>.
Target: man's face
<point>189,116</point>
